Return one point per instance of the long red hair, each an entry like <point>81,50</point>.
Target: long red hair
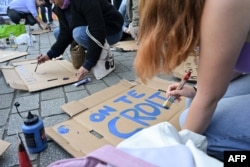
<point>169,31</point>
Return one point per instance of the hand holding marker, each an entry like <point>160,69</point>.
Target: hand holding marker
<point>171,99</point>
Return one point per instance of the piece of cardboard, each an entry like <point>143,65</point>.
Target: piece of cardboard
<point>21,74</point>
<point>190,64</point>
<point>38,32</point>
<point>6,55</point>
<point>112,115</point>
<point>126,46</point>
<point>3,146</point>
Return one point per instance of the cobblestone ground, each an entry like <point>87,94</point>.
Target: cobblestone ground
<point>47,103</point>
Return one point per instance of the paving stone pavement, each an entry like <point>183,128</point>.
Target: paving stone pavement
<point>46,103</point>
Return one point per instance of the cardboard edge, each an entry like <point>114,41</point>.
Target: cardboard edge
<point>72,111</point>
<point>3,146</point>
<point>21,54</point>
<point>62,142</point>
<point>13,84</point>
<point>91,101</point>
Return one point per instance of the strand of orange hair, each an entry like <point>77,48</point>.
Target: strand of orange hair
<point>168,32</point>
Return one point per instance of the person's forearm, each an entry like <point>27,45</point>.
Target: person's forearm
<point>39,20</point>
<point>199,115</point>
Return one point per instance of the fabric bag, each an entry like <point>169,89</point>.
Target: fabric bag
<point>106,63</point>
<point>105,156</point>
<point>15,29</point>
<point>77,55</point>
<point>163,146</point>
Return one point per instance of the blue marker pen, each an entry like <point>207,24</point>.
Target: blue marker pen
<point>86,80</point>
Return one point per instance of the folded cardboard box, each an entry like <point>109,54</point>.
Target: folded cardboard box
<point>22,75</point>
<point>112,115</point>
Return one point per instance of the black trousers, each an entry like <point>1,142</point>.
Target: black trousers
<point>17,16</point>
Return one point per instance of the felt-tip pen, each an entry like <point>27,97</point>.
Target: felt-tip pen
<point>171,99</point>
<point>86,80</point>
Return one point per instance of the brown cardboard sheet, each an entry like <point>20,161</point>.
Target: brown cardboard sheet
<point>190,64</point>
<point>21,74</point>
<point>126,46</point>
<point>38,32</point>
<point>112,115</point>
<point>3,146</point>
<point>6,55</point>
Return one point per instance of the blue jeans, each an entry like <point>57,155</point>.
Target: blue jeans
<point>81,37</point>
<point>229,129</point>
<point>123,11</point>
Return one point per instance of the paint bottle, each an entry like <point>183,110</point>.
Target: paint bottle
<point>34,132</point>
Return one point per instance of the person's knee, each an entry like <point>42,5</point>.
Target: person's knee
<point>32,23</point>
<point>56,32</point>
<point>80,36</point>
<point>30,20</point>
<point>14,16</point>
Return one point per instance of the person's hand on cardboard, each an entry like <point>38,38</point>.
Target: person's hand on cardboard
<point>187,91</point>
<point>44,26</point>
<point>81,73</point>
<point>42,59</point>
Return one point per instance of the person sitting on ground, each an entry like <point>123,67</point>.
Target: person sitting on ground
<point>26,9</point>
<point>47,5</point>
<point>170,31</point>
<point>100,17</point>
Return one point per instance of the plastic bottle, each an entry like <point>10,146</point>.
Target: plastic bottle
<point>12,41</point>
<point>29,37</point>
<point>34,133</point>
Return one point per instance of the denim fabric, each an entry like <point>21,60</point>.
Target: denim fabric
<point>229,129</point>
<point>56,32</point>
<point>81,37</point>
<point>122,10</point>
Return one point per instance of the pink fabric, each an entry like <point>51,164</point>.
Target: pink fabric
<point>101,157</point>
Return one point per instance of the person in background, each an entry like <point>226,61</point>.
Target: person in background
<point>129,11</point>
<point>133,17</point>
<point>47,5</point>
<point>75,16</point>
<point>169,31</point>
<point>26,9</point>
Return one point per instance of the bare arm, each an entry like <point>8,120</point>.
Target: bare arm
<point>224,29</point>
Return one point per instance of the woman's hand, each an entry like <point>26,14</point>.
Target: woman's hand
<point>81,73</point>
<point>186,91</point>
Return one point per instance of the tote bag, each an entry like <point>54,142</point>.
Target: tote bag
<point>106,63</point>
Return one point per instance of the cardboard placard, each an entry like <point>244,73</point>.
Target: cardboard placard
<point>190,64</point>
<point>3,146</point>
<point>6,55</point>
<point>126,46</point>
<point>21,74</point>
<point>112,115</point>
<point>38,32</point>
